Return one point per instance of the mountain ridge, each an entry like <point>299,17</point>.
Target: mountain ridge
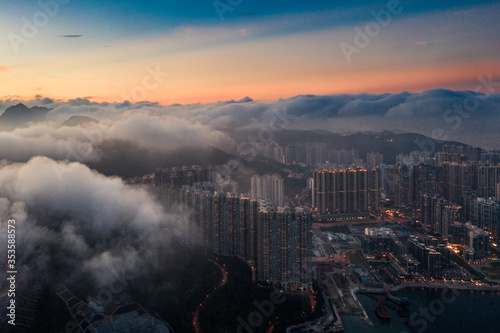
<point>20,115</point>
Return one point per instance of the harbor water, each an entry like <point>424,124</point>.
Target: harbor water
<point>434,311</point>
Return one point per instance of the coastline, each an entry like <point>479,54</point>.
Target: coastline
<point>444,286</point>
<point>365,318</point>
<point>483,306</point>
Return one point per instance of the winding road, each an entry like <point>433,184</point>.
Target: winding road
<point>222,282</point>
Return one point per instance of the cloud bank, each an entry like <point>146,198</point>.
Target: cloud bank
<point>71,219</point>
<point>464,116</point>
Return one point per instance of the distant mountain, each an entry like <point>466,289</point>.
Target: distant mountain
<point>20,115</point>
<point>79,120</point>
<point>387,143</point>
<point>126,159</point>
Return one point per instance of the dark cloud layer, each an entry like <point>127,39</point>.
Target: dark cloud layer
<point>463,116</point>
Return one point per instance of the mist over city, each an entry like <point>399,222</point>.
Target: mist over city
<point>246,166</point>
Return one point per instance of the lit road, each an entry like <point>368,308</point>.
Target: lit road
<point>222,282</point>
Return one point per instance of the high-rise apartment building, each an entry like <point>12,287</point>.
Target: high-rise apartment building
<point>486,215</point>
<point>269,187</point>
<point>488,177</point>
<point>438,213</point>
<point>460,154</point>
<point>277,239</point>
<point>305,153</point>
<point>168,182</point>
<point>458,178</point>
<point>283,247</point>
<point>478,241</point>
<point>397,183</point>
<point>425,178</point>
<point>347,190</point>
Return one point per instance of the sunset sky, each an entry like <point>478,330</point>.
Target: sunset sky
<point>105,50</point>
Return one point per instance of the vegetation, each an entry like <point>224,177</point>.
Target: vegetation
<point>173,289</point>
<point>236,301</point>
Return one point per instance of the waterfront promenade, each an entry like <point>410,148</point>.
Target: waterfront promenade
<point>439,285</point>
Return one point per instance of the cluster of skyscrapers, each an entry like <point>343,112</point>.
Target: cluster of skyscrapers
<point>310,153</point>
<point>438,213</point>
<point>419,256</point>
<point>305,153</point>
<point>406,183</point>
<point>168,182</point>
<point>459,197</point>
<point>276,239</point>
<point>456,191</point>
<point>430,253</point>
<point>475,239</point>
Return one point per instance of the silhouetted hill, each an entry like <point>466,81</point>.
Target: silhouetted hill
<point>79,120</point>
<point>20,115</point>
<point>126,159</point>
<point>388,143</point>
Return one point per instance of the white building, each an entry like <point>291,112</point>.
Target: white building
<point>270,187</point>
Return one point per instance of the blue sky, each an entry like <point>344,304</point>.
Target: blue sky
<point>139,17</point>
<point>263,49</point>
